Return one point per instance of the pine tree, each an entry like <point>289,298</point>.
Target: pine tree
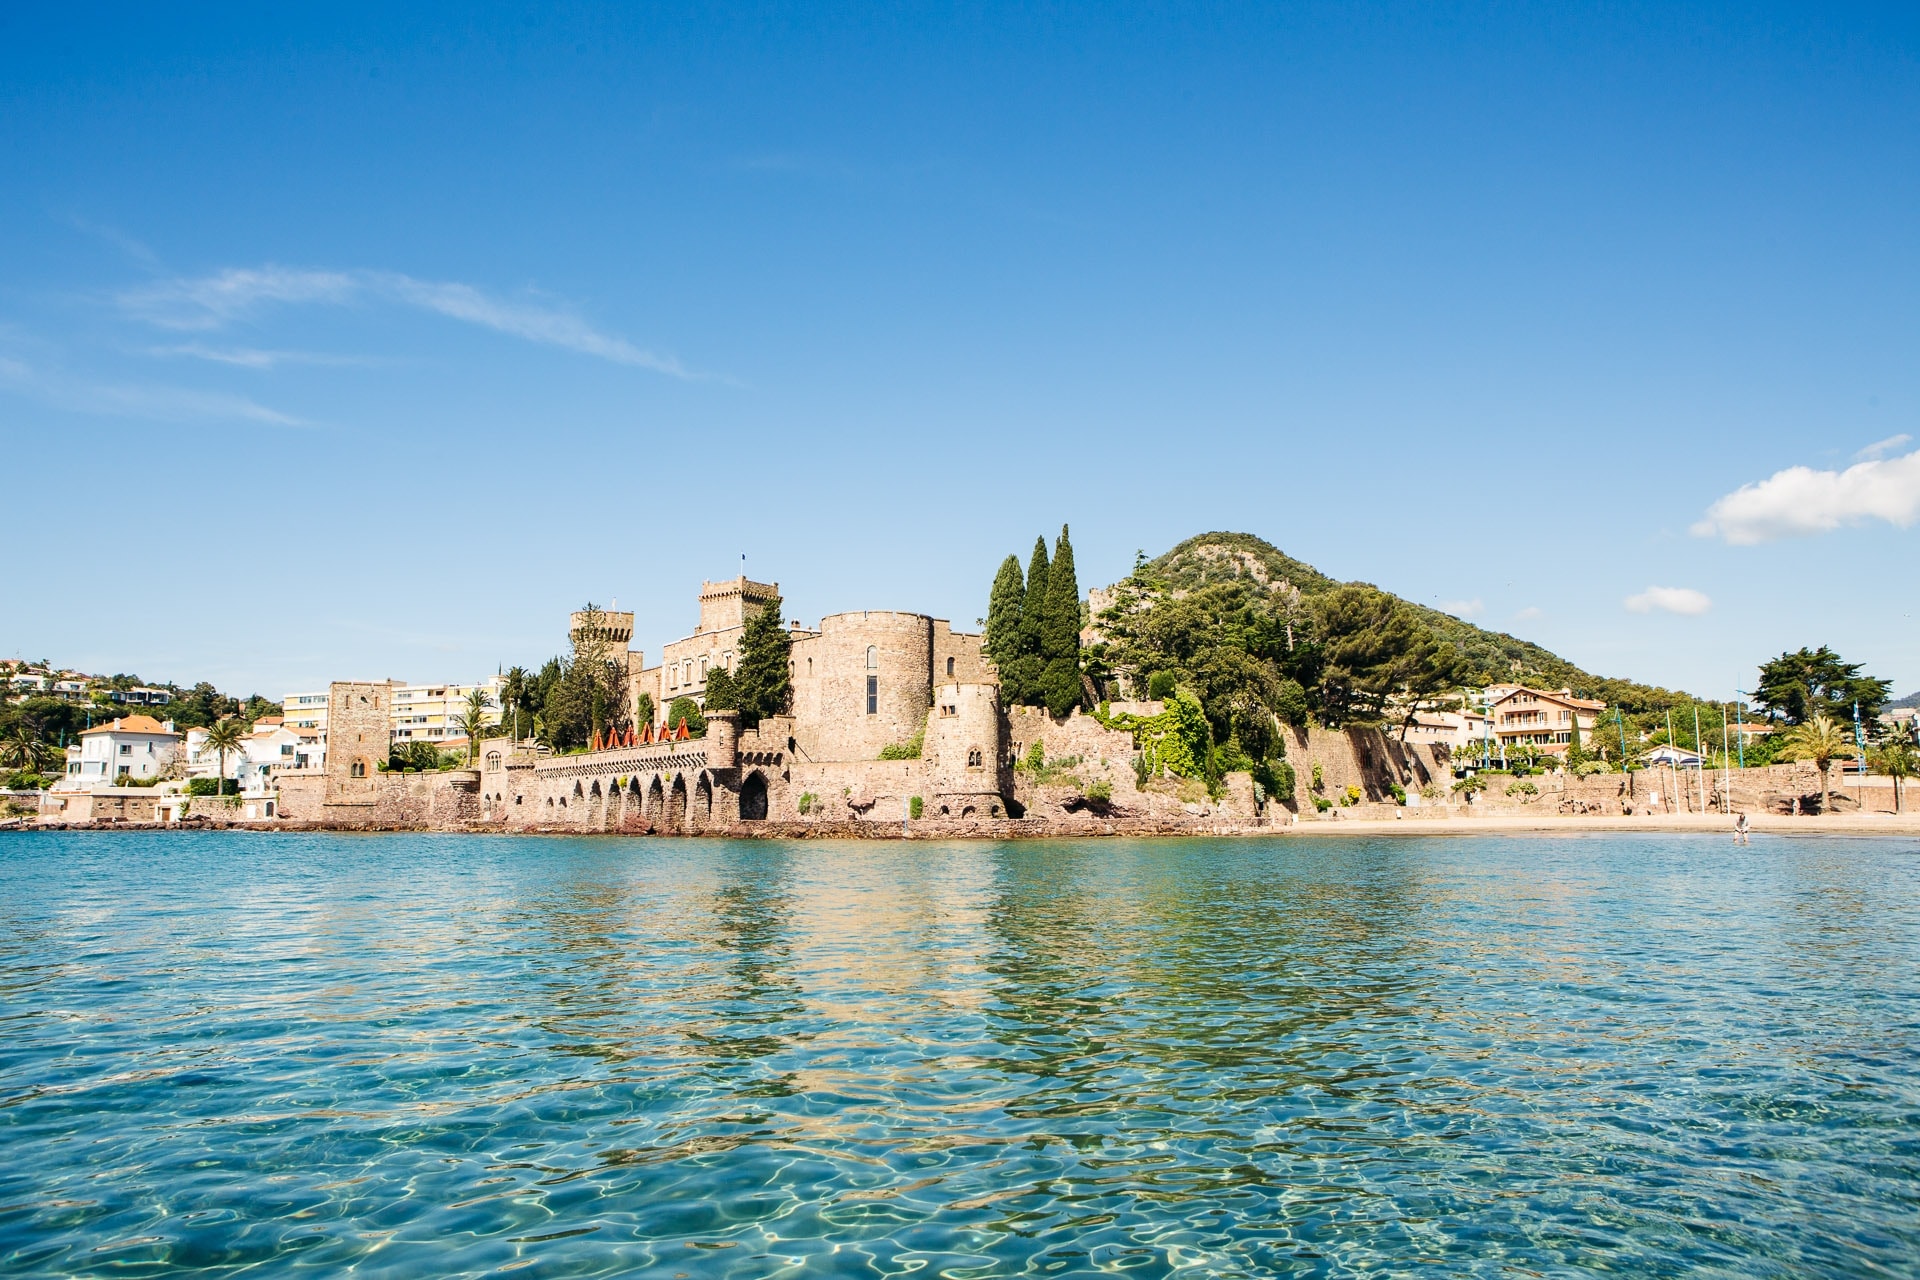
<point>1021,677</point>
<point>1060,631</point>
<point>1003,612</point>
<point>763,677</point>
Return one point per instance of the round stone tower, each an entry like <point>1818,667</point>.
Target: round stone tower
<point>875,682</point>
<point>966,752</point>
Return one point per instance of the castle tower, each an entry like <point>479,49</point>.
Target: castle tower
<point>966,752</point>
<point>727,605</point>
<point>871,677</point>
<point>359,735</point>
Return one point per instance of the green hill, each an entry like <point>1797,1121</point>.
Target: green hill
<point>1263,577</point>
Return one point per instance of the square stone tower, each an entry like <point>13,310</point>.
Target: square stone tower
<point>359,735</point>
<point>727,605</point>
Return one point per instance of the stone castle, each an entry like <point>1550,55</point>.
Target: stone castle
<point>861,682</point>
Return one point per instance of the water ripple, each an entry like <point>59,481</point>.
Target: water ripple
<point>231,1053</point>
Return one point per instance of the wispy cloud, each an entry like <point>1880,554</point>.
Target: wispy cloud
<point>208,303</point>
<point>157,403</point>
<point>119,240</point>
<point>1464,608</point>
<point>1681,600</point>
<point>254,358</point>
<point>1881,448</point>
<point>1800,501</point>
<point>1529,613</point>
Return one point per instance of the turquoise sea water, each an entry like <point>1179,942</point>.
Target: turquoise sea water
<point>425,1055</point>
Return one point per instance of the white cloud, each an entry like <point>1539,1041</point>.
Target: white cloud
<point>159,403</point>
<point>1529,613</point>
<point>253,358</point>
<point>1464,608</point>
<point>1801,500</point>
<point>210,302</point>
<point>1683,600</point>
<point>1880,448</point>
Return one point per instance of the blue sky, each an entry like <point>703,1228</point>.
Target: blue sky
<point>344,342</point>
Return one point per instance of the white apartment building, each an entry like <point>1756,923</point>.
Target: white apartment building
<point>430,711</point>
<point>305,710</point>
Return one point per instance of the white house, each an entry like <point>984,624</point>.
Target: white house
<point>131,748</point>
<point>271,745</point>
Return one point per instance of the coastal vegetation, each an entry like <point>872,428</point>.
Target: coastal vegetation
<point>1033,629</point>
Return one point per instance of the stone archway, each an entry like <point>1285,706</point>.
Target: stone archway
<point>677,805</point>
<point>753,797</point>
<point>656,801</point>
<point>634,815</point>
<point>596,808</point>
<point>701,814</point>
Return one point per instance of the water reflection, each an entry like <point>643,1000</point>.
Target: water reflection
<point>449,1056</point>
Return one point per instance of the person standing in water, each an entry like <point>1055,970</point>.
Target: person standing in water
<point>1740,833</point>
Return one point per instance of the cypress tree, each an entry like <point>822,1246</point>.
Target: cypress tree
<point>1028,664</point>
<point>723,694</point>
<point>762,678</point>
<point>1003,612</point>
<point>1060,631</point>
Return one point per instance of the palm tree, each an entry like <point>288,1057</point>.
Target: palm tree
<point>1821,741</point>
<point>223,736</point>
<point>473,720</point>
<point>513,694</point>
<point>24,749</point>
<point>1898,761</point>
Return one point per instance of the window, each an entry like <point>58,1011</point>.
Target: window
<point>286,749</point>
<point>949,666</point>
<point>873,658</point>
<point>358,769</point>
<point>974,758</point>
<point>126,748</point>
<point>873,693</point>
<point>703,669</point>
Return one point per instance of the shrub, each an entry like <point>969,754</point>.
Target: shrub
<point>1431,791</point>
<point>1318,781</point>
<point>807,801</point>
<point>1140,770</point>
<point>914,807</point>
<point>1036,757</point>
<point>212,787</point>
<point>910,749</point>
<point>685,710</point>
<point>1101,792</point>
<point>1160,685</point>
<point>1522,789</point>
<point>1467,786</point>
<point>27,780</point>
<point>1350,797</point>
<point>1276,777</point>
<point>1322,803</point>
<point>1399,793</point>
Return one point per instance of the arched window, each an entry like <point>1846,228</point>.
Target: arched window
<point>873,657</point>
<point>358,769</point>
<point>493,761</point>
<point>949,666</point>
<point>974,758</point>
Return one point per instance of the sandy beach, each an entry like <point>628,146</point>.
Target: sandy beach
<point>1871,824</point>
